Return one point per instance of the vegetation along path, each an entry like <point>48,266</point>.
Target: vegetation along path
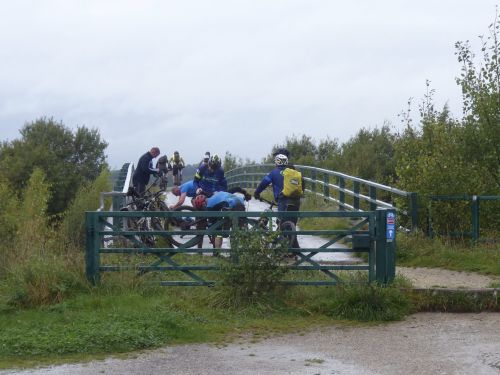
<point>424,343</point>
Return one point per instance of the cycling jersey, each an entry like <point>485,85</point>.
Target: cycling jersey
<point>222,199</point>
<point>209,180</point>
<point>188,188</point>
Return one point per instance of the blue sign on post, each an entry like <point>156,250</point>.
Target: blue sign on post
<point>391,227</point>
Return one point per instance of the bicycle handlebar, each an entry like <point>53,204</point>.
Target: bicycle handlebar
<point>271,203</point>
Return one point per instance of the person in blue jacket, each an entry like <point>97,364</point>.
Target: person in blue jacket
<point>187,189</point>
<point>144,170</point>
<point>210,178</point>
<point>221,201</point>
<point>275,177</point>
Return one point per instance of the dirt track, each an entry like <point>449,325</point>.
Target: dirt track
<point>427,343</point>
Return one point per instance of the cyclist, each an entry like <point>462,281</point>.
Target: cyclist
<point>187,189</point>
<point>282,151</point>
<point>163,167</point>
<point>177,164</point>
<point>221,201</point>
<point>210,178</point>
<point>205,159</point>
<point>275,177</point>
<point>144,170</point>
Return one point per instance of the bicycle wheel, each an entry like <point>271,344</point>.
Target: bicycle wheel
<point>139,224</point>
<point>185,223</point>
<point>290,237</point>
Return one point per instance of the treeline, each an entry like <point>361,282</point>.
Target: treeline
<point>436,155</point>
<point>48,179</point>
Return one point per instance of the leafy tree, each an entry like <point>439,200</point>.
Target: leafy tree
<point>329,153</point>
<point>68,160</point>
<point>302,150</point>
<point>481,96</point>
<point>369,155</point>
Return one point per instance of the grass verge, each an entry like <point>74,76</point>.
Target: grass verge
<point>419,251</point>
<point>109,322</point>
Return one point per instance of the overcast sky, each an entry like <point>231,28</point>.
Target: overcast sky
<point>237,76</point>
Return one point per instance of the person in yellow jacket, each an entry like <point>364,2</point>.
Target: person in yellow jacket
<point>177,164</point>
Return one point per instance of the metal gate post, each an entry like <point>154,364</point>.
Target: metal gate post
<point>380,247</point>
<point>475,218</point>
<point>92,261</point>
<point>385,255</point>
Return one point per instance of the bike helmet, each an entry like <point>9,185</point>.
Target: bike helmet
<point>199,202</point>
<point>214,162</point>
<point>282,151</point>
<point>280,159</point>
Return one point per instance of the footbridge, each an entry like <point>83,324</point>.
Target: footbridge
<point>371,214</point>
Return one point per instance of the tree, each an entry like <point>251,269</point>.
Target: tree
<point>68,160</point>
<point>481,96</point>
<point>302,150</point>
<point>370,155</point>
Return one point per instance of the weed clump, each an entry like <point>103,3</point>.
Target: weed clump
<point>254,270</point>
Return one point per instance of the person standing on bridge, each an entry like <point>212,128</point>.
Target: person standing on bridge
<point>286,194</point>
<point>205,159</point>
<point>144,170</point>
<point>177,163</point>
<point>210,178</point>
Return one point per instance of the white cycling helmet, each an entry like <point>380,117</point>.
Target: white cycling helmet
<point>280,159</point>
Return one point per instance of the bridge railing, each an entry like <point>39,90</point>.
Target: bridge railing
<point>348,192</point>
<point>372,233</point>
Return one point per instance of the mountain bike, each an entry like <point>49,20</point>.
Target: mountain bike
<point>286,226</point>
<point>153,201</point>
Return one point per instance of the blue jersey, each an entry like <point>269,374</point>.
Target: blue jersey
<point>188,188</point>
<point>274,177</point>
<point>210,181</point>
<point>222,199</point>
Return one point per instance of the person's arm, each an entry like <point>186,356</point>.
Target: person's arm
<point>237,189</point>
<point>180,202</point>
<point>263,184</point>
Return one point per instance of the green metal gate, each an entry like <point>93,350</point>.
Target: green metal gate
<point>372,232</point>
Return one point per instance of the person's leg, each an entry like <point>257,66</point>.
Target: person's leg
<point>140,188</point>
<point>293,204</point>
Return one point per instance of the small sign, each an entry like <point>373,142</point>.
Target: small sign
<point>391,218</point>
<point>391,233</point>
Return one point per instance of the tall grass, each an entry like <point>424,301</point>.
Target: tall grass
<point>43,259</point>
<point>418,250</point>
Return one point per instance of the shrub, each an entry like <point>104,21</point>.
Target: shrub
<point>254,270</point>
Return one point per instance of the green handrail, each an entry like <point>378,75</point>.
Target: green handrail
<point>350,193</point>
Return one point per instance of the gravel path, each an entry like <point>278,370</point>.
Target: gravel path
<point>426,343</point>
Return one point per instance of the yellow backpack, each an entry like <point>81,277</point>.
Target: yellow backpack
<point>292,183</point>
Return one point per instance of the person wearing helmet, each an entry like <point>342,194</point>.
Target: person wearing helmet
<point>220,201</point>
<point>144,170</point>
<point>205,159</point>
<point>282,151</point>
<point>209,177</point>
<point>275,177</point>
<point>177,164</point>
<point>187,189</point>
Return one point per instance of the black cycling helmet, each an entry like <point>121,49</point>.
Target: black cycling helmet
<point>214,161</point>
<point>281,151</point>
